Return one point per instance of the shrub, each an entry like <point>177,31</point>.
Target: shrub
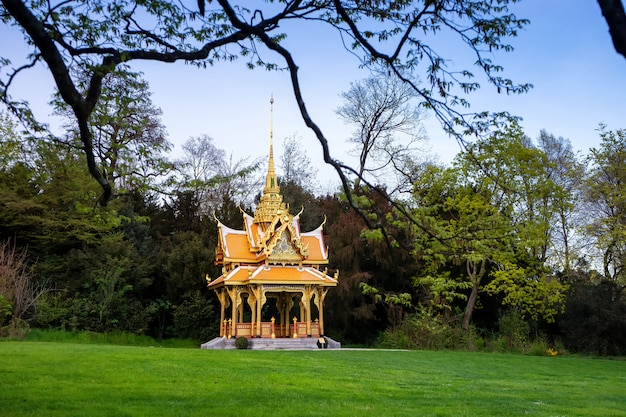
<point>426,331</point>
<point>514,330</point>
<point>241,342</point>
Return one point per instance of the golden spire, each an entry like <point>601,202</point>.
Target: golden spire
<point>271,202</point>
<point>271,182</point>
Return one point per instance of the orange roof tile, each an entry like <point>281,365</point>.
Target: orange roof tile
<point>274,275</point>
<point>315,241</point>
<point>235,245</point>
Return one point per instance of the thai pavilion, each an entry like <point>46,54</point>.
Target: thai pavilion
<point>273,281</point>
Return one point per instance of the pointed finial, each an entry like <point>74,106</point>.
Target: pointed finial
<point>271,122</point>
<point>271,201</point>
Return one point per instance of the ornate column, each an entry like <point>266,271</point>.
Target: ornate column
<point>222,296</point>
<point>320,294</point>
<point>302,308</point>
<point>288,306</point>
<point>260,302</point>
<point>306,300</point>
<point>234,302</point>
<point>252,302</point>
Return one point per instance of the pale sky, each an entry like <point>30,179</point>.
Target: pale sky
<point>566,53</point>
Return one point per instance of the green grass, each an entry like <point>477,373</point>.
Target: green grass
<point>111,338</point>
<point>70,379</point>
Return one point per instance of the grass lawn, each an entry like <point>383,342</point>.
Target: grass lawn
<point>69,379</point>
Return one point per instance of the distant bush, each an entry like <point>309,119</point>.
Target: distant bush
<point>515,331</point>
<point>241,342</point>
<point>423,331</point>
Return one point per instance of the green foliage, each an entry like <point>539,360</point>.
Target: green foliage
<point>595,318</point>
<point>16,329</point>
<point>11,145</point>
<point>5,310</point>
<point>241,342</point>
<point>535,296</point>
<point>50,206</point>
<point>107,294</point>
<point>129,140</point>
<point>440,292</point>
<point>486,228</point>
<point>423,330</point>
<point>195,318</point>
<point>514,330</point>
<point>54,311</point>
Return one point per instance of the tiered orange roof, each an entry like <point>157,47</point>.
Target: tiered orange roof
<point>271,249</point>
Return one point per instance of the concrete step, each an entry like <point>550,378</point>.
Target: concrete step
<point>308,343</point>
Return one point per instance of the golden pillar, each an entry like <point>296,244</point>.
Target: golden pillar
<point>222,296</point>
<point>306,301</point>
<point>260,302</point>
<point>319,295</point>
<point>252,301</point>
<point>235,300</point>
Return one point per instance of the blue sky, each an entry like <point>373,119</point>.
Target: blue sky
<point>566,53</point>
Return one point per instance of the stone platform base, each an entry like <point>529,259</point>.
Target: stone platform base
<point>302,343</point>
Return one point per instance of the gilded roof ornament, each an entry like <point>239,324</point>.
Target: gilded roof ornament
<point>271,203</point>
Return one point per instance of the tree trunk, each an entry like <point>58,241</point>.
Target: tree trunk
<point>471,303</point>
<point>475,276</point>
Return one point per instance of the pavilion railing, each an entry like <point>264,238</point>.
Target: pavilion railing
<point>270,329</point>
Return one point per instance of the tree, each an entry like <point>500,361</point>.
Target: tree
<point>486,227</point>
<point>99,36</point>
<point>387,124</point>
<point>129,140</point>
<point>213,177</point>
<point>18,286</point>
<point>11,144</point>
<point>296,165</point>
<point>615,16</point>
<point>606,196</point>
<point>564,170</point>
<point>465,236</point>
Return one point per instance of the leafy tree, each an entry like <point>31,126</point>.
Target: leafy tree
<point>97,37</point>
<point>466,235</point>
<point>516,175</point>
<point>485,228</point>
<point>129,140</point>
<point>11,143</point>
<point>50,207</point>
<point>564,170</point>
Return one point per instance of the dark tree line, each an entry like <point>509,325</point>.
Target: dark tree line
<point>537,254</point>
